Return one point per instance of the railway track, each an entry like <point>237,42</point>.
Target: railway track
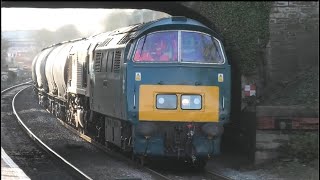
<point>86,169</point>
<point>216,175</point>
<point>208,174</point>
<point>71,168</point>
<point>35,162</point>
<point>119,156</point>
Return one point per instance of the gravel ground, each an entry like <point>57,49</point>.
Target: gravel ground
<point>23,151</point>
<point>238,168</point>
<point>83,155</point>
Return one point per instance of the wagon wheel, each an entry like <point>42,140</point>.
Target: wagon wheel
<point>69,115</point>
<point>142,161</point>
<point>139,160</point>
<point>57,110</point>
<point>200,164</point>
<point>52,108</point>
<point>133,157</point>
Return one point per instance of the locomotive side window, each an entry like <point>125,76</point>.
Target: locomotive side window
<point>158,47</point>
<point>198,47</point>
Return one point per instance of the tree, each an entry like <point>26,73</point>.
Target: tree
<point>114,20</point>
<point>66,32</point>
<point>4,50</point>
<point>44,38</point>
<point>118,19</point>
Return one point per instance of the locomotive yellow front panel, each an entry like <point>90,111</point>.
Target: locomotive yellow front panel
<point>208,110</point>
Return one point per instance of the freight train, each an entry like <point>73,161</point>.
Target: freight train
<point>158,90</point>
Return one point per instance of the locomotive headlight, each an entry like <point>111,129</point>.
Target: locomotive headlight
<point>186,101</point>
<point>161,100</point>
<point>166,101</point>
<point>191,102</point>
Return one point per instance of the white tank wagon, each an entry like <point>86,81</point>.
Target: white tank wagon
<point>53,90</point>
<point>49,69</point>
<point>80,65</point>
<point>33,66</point>
<point>68,73</point>
<point>60,70</point>
<point>40,69</point>
<point>42,83</point>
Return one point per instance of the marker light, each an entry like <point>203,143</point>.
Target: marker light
<point>191,102</point>
<point>166,101</point>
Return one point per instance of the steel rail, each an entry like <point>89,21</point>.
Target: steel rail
<point>216,176</point>
<point>9,88</point>
<point>108,152</point>
<point>210,174</point>
<point>73,169</point>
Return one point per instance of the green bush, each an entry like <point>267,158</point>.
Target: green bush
<point>304,147</point>
<point>244,26</point>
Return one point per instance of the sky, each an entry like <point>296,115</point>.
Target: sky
<point>86,20</point>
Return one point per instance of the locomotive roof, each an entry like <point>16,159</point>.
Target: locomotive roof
<point>140,29</point>
<point>174,21</point>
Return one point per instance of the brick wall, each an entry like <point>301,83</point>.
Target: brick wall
<point>294,40</point>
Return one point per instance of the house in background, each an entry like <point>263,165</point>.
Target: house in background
<point>22,48</point>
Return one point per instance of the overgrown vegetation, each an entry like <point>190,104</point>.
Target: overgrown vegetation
<point>46,38</point>
<point>303,89</point>
<point>4,48</point>
<point>118,19</point>
<point>244,27</point>
<point>304,147</point>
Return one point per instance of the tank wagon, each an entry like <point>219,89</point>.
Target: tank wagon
<point>159,89</point>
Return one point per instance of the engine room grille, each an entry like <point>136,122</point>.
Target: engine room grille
<point>105,43</point>
<point>97,64</point>
<point>125,39</point>
<point>116,64</point>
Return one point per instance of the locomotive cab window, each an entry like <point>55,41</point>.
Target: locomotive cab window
<point>157,47</point>
<point>178,46</point>
<point>198,47</point>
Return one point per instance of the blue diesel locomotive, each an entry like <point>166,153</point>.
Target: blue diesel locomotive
<point>159,89</point>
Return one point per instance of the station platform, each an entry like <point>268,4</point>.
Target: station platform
<point>9,169</point>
